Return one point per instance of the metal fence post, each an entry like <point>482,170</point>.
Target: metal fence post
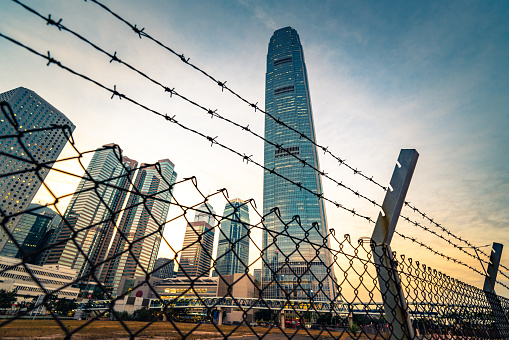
<point>499,317</point>
<point>396,310</point>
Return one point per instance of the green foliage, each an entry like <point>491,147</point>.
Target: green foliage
<point>64,306</point>
<point>7,298</point>
<point>124,316</point>
<point>353,328</point>
<point>145,315</point>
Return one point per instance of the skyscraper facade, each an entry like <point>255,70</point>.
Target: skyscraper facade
<point>30,233</point>
<point>143,223</point>
<point>19,177</point>
<point>196,255</point>
<point>93,211</point>
<point>300,271</point>
<point>115,200</point>
<point>205,213</point>
<point>165,270</point>
<point>233,245</point>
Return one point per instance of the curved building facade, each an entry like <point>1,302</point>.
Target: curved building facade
<point>292,269</point>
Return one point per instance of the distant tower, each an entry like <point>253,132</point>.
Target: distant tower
<point>233,246</point>
<point>93,211</point>
<point>18,190</point>
<point>205,213</point>
<point>196,255</point>
<point>143,223</point>
<point>287,99</point>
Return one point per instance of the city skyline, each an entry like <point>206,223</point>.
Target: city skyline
<point>427,76</point>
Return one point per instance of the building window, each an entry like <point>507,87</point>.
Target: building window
<point>285,89</point>
<point>283,61</point>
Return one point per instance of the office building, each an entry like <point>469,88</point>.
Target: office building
<point>142,222</point>
<point>114,195</point>
<point>14,275</point>
<point>287,98</point>
<point>233,245</point>
<point>165,270</point>
<point>30,112</point>
<point>196,255</point>
<point>205,213</point>
<point>93,211</point>
<point>31,233</point>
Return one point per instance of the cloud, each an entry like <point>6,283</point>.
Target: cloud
<point>260,14</point>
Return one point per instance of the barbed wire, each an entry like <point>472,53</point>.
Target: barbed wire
<point>213,113</point>
<point>142,33</point>
<point>448,258</point>
<point>212,140</point>
<point>173,92</point>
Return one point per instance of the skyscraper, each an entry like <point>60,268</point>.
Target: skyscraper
<point>142,223</point>
<point>30,233</point>
<point>205,213</point>
<point>287,98</point>
<point>110,205</point>
<point>30,113</point>
<point>196,255</point>
<point>93,211</point>
<point>233,246</point>
<point>165,270</point>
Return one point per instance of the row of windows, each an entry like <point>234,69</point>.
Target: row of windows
<point>285,89</point>
<point>283,61</point>
<point>38,272</point>
<point>27,278</point>
<point>295,150</point>
<point>35,289</point>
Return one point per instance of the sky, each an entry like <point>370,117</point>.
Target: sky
<point>383,76</point>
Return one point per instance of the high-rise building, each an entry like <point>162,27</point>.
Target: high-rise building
<point>143,223</point>
<point>93,211</point>
<point>205,213</point>
<point>233,245</point>
<point>20,178</point>
<point>31,233</point>
<point>118,212</point>
<point>196,254</point>
<point>301,271</point>
<point>165,270</point>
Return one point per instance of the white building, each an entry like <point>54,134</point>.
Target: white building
<point>14,276</point>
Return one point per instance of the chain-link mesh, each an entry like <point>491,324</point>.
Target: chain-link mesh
<point>99,265</point>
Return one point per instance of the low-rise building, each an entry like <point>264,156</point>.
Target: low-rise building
<point>15,276</point>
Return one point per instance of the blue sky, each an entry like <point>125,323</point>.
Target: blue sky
<point>429,75</point>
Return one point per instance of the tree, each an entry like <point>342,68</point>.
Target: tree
<point>144,314</point>
<point>64,306</point>
<point>7,298</point>
<point>265,315</point>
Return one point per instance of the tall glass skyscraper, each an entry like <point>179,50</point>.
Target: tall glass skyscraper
<point>293,269</point>
<point>233,245</point>
<point>20,178</point>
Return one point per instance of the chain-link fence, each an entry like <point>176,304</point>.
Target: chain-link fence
<point>92,262</point>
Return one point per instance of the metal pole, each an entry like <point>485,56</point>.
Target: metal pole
<point>491,278</point>
<point>499,317</point>
<point>395,306</point>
